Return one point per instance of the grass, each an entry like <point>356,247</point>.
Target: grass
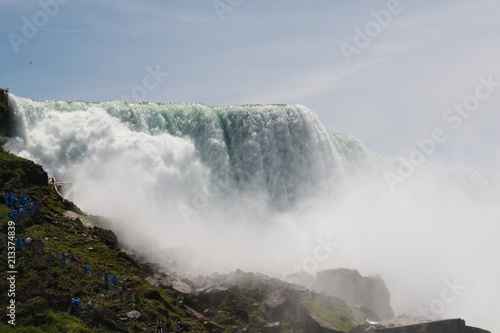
<point>52,321</point>
<point>44,286</point>
<point>334,312</point>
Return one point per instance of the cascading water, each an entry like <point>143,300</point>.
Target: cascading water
<point>278,151</point>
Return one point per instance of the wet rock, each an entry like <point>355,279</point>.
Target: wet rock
<point>106,236</point>
<point>314,323</point>
<point>195,313</point>
<point>275,305</point>
<point>439,326</point>
<point>210,325</point>
<point>272,327</point>
<point>153,281</point>
<point>181,287</point>
<point>347,284</point>
<point>213,296</point>
<point>367,313</point>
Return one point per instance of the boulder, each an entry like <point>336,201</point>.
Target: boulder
<point>315,323</point>
<point>213,327</point>
<point>181,287</point>
<point>347,284</point>
<point>165,283</point>
<point>106,236</point>
<point>134,314</point>
<point>195,313</point>
<point>293,301</point>
<point>133,281</point>
<point>272,327</point>
<point>108,318</point>
<point>153,281</point>
<point>213,296</point>
<point>439,326</point>
<point>366,312</point>
<point>275,305</point>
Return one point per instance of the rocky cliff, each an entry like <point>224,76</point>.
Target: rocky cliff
<point>356,290</point>
<point>4,113</point>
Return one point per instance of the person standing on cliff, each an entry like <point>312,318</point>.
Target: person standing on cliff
<point>114,280</point>
<point>159,327</point>
<point>106,281</point>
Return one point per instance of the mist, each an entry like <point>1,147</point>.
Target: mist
<point>286,198</point>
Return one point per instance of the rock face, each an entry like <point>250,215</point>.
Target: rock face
<point>181,287</point>
<point>4,114</point>
<point>284,301</point>
<point>440,326</point>
<point>16,172</point>
<point>272,328</point>
<point>370,292</point>
<point>276,305</point>
<point>271,305</point>
<point>108,237</point>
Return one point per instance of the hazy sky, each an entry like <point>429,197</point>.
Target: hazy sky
<point>399,77</point>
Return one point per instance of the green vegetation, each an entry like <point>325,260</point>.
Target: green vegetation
<point>336,313</point>
<point>249,299</point>
<point>45,286</point>
<point>20,173</point>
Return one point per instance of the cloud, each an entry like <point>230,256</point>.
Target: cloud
<point>309,84</point>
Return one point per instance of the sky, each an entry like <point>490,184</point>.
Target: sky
<point>385,72</point>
